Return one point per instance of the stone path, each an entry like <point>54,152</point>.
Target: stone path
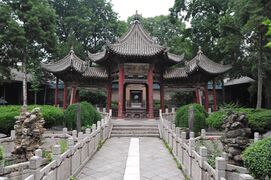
<point>109,163</point>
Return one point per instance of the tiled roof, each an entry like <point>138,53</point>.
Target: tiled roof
<point>203,62</point>
<point>136,43</point>
<point>95,72</point>
<point>172,73</point>
<point>241,80</point>
<point>97,56</point>
<point>70,61</point>
<point>175,58</point>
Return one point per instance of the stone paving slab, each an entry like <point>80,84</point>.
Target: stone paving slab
<point>109,162</point>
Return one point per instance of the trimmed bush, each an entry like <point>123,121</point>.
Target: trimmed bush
<point>88,115</point>
<point>259,120</point>
<point>181,119</point>
<point>215,119</point>
<point>93,97</point>
<point>53,116</point>
<point>257,158</point>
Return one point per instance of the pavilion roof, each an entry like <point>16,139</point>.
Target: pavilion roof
<point>199,62</point>
<point>203,62</point>
<point>179,72</point>
<point>71,61</point>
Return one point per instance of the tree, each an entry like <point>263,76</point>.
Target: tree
<point>230,31</point>
<point>27,33</point>
<point>86,24</point>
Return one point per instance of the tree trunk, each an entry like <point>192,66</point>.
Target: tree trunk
<point>24,83</point>
<point>260,78</point>
<point>45,94</point>
<point>35,97</point>
<point>223,91</point>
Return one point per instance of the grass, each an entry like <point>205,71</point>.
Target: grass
<point>179,166</point>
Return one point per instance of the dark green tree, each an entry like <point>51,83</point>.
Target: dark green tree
<point>27,33</point>
<point>85,24</point>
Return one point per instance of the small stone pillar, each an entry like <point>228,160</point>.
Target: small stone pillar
<point>160,112</point>
<point>80,136</point>
<point>64,131</point>
<point>192,135</point>
<point>183,137</point>
<point>245,177</point>
<point>256,137</point>
<point>34,166</point>
<point>38,152</point>
<point>110,112</point>
<point>173,110</point>
<point>166,110</point>
<point>226,157</point>
<point>88,131</point>
<point>220,168</point>
<point>203,133</point>
<point>56,152</point>
<point>12,134</point>
<point>98,124</point>
<point>70,142</point>
<point>203,157</point>
<point>93,127</point>
<point>178,132</point>
<point>192,146</point>
<point>74,134</point>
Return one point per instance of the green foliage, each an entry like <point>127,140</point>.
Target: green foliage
<point>268,24</point>
<point>257,158</point>
<point>215,119</point>
<point>88,115</point>
<point>63,145</point>
<point>182,116</point>
<point>93,97</point>
<point>53,116</point>
<point>259,120</point>
<point>47,155</point>
<point>182,98</point>
<point>2,153</point>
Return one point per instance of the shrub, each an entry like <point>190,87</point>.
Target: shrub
<point>259,120</point>
<point>63,145</point>
<point>88,115</point>
<point>257,158</point>
<point>94,97</point>
<point>53,116</point>
<point>2,153</point>
<point>215,119</point>
<point>200,117</point>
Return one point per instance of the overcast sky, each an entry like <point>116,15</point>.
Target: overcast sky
<point>148,8</point>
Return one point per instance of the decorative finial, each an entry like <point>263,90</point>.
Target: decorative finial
<point>136,17</point>
<point>200,51</point>
<point>71,51</point>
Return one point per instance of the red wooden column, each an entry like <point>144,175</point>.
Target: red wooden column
<point>73,95</point>
<point>197,95</point>
<point>150,91</point>
<point>56,92</point>
<point>65,97</point>
<point>206,97</point>
<point>121,88</point>
<point>162,95</point>
<point>109,95</point>
<point>214,95</point>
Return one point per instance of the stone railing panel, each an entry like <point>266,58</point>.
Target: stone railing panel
<point>195,164</point>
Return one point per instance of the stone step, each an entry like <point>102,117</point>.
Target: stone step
<point>135,135</point>
<point>135,132</point>
<point>135,125</point>
<point>135,128</point>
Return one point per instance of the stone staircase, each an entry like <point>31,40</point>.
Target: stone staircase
<point>135,130</point>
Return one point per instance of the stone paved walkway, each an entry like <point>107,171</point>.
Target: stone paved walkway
<point>109,163</point>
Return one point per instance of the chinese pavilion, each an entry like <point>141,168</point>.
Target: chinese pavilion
<point>135,62</point>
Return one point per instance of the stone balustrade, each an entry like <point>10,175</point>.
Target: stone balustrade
<point>81,147</point>
<point>194,164</point>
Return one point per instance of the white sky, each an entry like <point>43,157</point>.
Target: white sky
<point>148,8</point>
